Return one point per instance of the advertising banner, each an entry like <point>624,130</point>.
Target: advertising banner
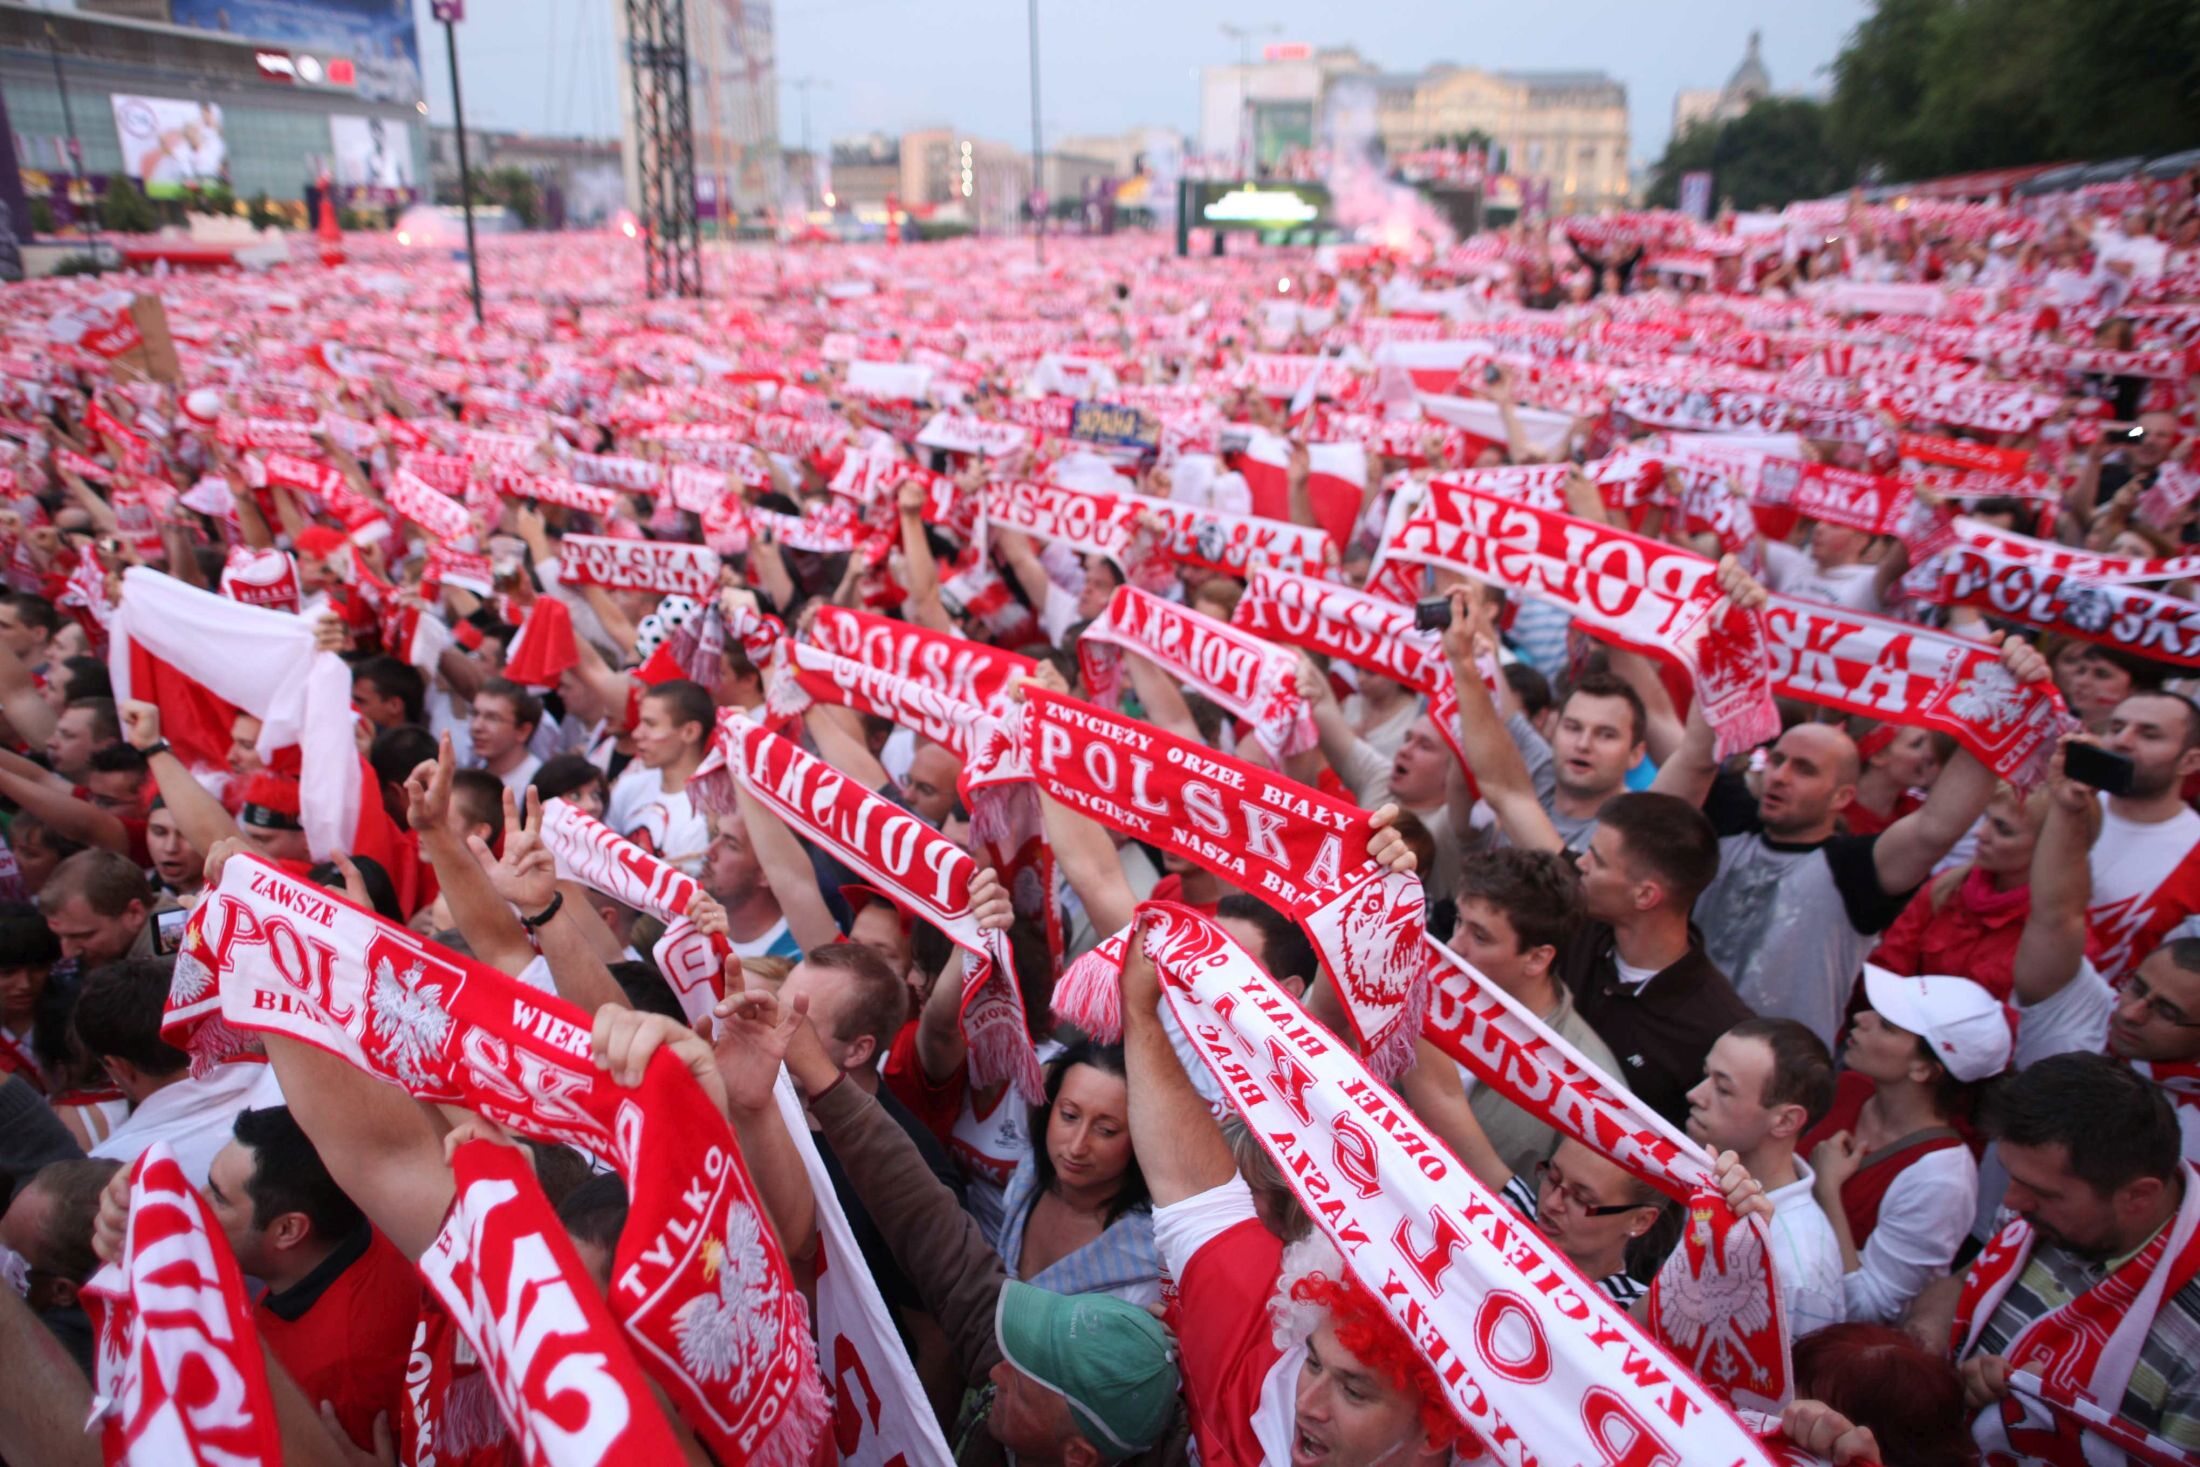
<point>171,145</point>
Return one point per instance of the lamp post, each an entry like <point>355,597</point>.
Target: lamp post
<point>451,12</point>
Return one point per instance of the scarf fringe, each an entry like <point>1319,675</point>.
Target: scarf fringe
<point>1755,724</point>
<point>1394,1056</point>
<point>999,1053</point>
<point>792,1439</point>
<point>1089,995</point>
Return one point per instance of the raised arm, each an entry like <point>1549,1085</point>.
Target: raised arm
<point>838,734</point>
<point>1015,550</point>
<point>32,789</point>
<point>1162,699</point>
<point>2051,949</point>
<point>1180,1148</point>
<point>1906,854</point>
<point>925,608</point>
<point>1491,753</point>
<point>198,814</point>
<point>1088,861</point>
<point>941,1048</point>
<point>491,931</point>
<point>787,870</point>
<point>26,711</point>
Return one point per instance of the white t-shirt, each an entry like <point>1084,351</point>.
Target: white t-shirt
<point>2137,895</point>
<point>777,943</point>
<point>1793,572</point>
<point>1806,1257</point>
<point>1923,1218</point>
<point>668,826</point>
<point>522,775</point>
<point>196,1118</point>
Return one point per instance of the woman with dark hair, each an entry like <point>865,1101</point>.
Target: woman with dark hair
<point>1869,1393</point>
<point>1891,1170</point>
<point>1076,1218</point>
<point>572,778</point>
<point>34,1011</point>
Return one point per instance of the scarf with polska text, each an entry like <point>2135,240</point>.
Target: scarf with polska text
<point>1234,544</point>
<point>1901,673</point>
<point>592,853</point>
<point>1961,453</point>
<point>506,1274</point>
<point>2088,1349</point>
<point>1715,1302</point>
<point>2143,622</point>
<point>566,493</point>
<point>2091,565</point>
<point>698,1281</point>
<point>639,565</point>
<point>1243,674</point>
<point>1300,851</point>
<point>927,875</point>
<point>1091,524</point>
<point>179,1377</point>
<point>1532,1357</point>
<point>918,678</point>
<point>1646,595</point>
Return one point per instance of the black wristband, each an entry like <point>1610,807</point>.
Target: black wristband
<point>557,900</point>
<point>159,748</point>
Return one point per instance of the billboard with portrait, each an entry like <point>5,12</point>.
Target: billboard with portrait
<point>169,144</point>
<point>376,36</point>
<point>371,153</point>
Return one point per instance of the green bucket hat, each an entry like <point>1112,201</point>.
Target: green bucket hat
<point>1111,1360</point>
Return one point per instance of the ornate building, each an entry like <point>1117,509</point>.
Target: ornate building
<point>1749,85</point>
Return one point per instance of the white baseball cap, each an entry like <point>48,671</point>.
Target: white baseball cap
<point>1966,1027</point>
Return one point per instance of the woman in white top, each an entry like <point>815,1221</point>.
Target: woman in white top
<point>1893,1175</point>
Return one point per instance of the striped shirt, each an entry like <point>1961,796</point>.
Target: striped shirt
<point>2164,1393</point>
<point>1620,1288</point>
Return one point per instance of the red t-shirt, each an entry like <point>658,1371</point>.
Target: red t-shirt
<point>345,1330</point>
<point>1226,1264</point>
<point>1170,888</point>
<point>988,1139</point>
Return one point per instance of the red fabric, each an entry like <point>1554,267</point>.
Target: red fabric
<point>1225,1340</point>
<point>1862,820</point>
<point>350,1346</point>
<point>1862,1193</point>
<point>1170,888</point>
<point>1973,935</point>
<point>546,647</point>
<point>195,723</point>
<point>936,1103</point>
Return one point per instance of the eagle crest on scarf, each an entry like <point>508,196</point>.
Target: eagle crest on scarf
<point>407,1020</point>
<point>730,1335</point>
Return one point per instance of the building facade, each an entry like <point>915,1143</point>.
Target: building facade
<point>581,180</point>
<point>161,93</point>
<point>1749,85</point>
<point>1566,130</point>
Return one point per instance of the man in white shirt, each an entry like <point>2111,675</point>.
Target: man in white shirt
<point>505,717</point>
<point>650,805</point>
<point>1766,1082</point>
<point>2146,862</point>
<point>117,1019</point>
<point>1833,569</point>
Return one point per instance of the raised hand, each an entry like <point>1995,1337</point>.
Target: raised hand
<point>753,1033</point>
<point>526,875</point>
<point>428,790</point>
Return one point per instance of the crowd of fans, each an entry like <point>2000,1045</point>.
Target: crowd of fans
<point>1898,998</point>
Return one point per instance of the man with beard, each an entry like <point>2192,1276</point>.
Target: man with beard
<point>2149,1018</point>
<point>2096,1284</point>
<point>1790,915</point>
<point>2146,864</point>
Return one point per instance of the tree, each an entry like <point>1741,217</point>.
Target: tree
<point>516,190</point>
<point>262,212</point>
<point>1773,154</point>
<point>125,210</point>
<point>1930,87</point>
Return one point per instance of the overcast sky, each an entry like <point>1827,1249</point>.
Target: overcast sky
<point>896,65</point>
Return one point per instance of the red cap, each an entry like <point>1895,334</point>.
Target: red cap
<point>319,541</point>
<point>545,648</point>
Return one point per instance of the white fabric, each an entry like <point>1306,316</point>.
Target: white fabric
<point>196,1118</point>
<point>1793,572</point>
<point>1922,1221</point>
<point>894,1418</point>
<point>2132,864</point>
<point>2075,1017</point>
<point>264,663</point>
<point>677,833</point>
<point>1806,1257</point>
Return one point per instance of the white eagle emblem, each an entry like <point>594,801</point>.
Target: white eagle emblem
<point>408,1019</point>
<point>1709,1307</point>
<point>732,1334</point>
<point>1990,697</point>
<point>190,980</point>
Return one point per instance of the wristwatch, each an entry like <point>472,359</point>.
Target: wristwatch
<point>159,748</point>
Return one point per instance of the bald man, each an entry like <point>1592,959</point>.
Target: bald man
<point>1795,906</point>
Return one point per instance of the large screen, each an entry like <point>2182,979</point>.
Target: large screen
<point>376,36</point>
<point>371,153</point>
<point>169,144</point>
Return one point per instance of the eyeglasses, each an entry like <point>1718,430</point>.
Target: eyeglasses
<point>1578,1199</point>
<point>2131,987</point>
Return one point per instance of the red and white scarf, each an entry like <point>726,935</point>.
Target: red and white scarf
<point>1091,524</point>
<point>1246,675</point>
<point>954,667</point>
<point>569,493</point>
<point>265,578</point>
<point>2096,1420</point>
<point>595,855</point>
<point>1715,1302</point>
<point>2088,1348</point>
<point>1640,592</point>
<point>927,875</point>
<point>698,1281</point>
<point>1295,848</point>
<point>1236,543</point>
<point>2147,623</point>
<point>1900,673</point>
<point>1531,1355</point>
<point>2091,565</point>
<point>507,1275</point>
<point>639,565</point>
<point>1961,453</point>
<point>179,1377</point>
<point>444,518</point>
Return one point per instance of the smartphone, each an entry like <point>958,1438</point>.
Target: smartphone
<point>1492,374</point>
<point>2101,768</point>
<point>168,931</point>
<point>1432,615</point>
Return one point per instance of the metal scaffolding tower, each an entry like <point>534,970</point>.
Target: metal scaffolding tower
<point>664,134</point>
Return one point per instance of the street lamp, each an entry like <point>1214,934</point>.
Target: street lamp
<point>451,12</point>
